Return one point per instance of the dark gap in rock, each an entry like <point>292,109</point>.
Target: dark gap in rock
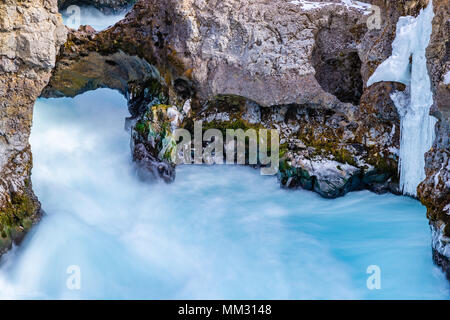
<point>184,88</point>
<point>338,66</point>
<point>340,76</point>
<point>111,62</point>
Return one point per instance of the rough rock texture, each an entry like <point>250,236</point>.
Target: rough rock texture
<point>376,45</point>
<point>273,54</point>
<point>242,64</point>
<point>106,6</point>
<point>256,49</point>
<point>153,144</point>
<point>441,246</point>
<point>321,149</point>
<point>303,69</point>
<point>434,192</point>
<point>81,68</point>
<point>31,33</point>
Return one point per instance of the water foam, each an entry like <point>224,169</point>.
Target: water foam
<point>217,232</point>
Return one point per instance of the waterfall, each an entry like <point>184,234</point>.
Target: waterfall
<point>408,65</point>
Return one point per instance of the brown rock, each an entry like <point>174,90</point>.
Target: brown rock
<point>31,33</point>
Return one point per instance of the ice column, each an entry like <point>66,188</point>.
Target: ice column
<point>408,65</point>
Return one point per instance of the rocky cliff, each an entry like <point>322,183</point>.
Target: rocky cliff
<point>299,68</point>
<point>31,33</point>
<point>434,192</point>
<point>276,55</point>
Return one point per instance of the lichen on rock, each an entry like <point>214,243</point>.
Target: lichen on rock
<point>279,77</point>
<point>262,64</point>
<point>154,142</point>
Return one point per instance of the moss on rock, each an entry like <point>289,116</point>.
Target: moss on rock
<point>16,218</point>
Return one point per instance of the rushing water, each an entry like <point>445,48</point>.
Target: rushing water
<point>413,105</point>
<point>217,232</point>
<point>75,16</point>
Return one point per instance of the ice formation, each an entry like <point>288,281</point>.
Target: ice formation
<point>408,65</point>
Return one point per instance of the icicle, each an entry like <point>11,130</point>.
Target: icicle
<point>413,105</point>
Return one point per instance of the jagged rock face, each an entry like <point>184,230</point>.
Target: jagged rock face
<point>336,60</point>
<point>275,54</point>
<point>107,6</point>
<point>434,192</point>
<point>81,68</point>
<point>270,53</point>
<point>153,142</point>
<point>376,45</point>
<point>31,33</point>
<point>265,46</point>
<point>321,149</point>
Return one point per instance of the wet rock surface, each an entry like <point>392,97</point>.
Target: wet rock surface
<point>317,65</point>
<point>321,150</point>
<point>434,192</point>
<point>31,33</point>
<point>277,63</point>
<point>153,142</point>
<point>258,64</point>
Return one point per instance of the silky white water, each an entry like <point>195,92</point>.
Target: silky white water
<point>217,232</point>
<point>417,126</point>
<point>75,16</point>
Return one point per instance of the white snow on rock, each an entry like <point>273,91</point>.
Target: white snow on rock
<point>310,5</point>
<point>439,241</point>
<point>447,78</point>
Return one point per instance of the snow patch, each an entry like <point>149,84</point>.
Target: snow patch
<point>310,5</point>
<point>447,78</point>
<point>447,209</point>
<point>439,241</point>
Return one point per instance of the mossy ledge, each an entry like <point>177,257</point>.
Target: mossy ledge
<point>17,218</point>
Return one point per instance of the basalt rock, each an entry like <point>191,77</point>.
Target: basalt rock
<point>321,150</point>
<point>153,142</point>
<point>273,54</point>
<point>376,45</point>
<point>310,63</point>
<point>434,192</point>
<point>82,66</point>
<point>266,47</point>
<point>31,33</point>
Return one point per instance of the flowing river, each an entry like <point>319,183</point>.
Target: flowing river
<point>217,232</point>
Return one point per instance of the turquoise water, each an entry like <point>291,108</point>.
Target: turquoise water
<point>217,232</point>
<point>75,16</point>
